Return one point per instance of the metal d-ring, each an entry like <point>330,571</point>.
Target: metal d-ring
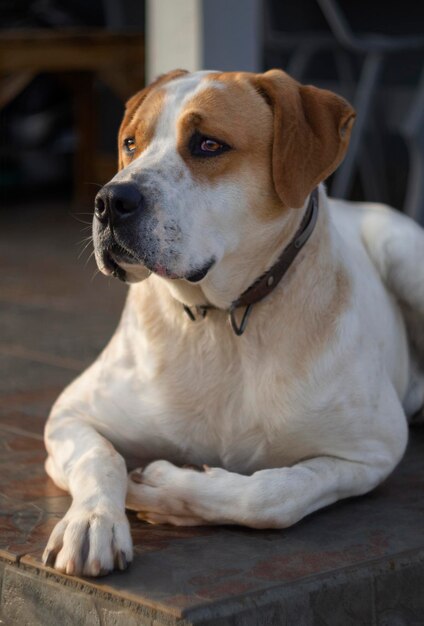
<point>239,329</point>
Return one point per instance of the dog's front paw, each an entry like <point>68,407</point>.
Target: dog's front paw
<point>162,493</point>
<point>90,541</point>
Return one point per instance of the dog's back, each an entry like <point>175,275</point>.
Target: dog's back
<point>395,245</point>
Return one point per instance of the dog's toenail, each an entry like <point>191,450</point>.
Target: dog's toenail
<point>49,558</point>
<point>122,560</point>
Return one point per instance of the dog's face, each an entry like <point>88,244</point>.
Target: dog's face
<point>211,167</point>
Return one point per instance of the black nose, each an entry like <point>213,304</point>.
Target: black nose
<point>116,201</point>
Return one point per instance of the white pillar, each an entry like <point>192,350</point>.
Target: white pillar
<point>173,36</point>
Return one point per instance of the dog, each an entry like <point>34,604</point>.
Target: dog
<point>272,337</point>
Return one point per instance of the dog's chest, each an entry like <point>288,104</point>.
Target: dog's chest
<point>218,407</point>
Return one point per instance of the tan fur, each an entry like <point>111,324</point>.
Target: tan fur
<point>227,114</point>
<point>311,134</point>
<point>141,123</point>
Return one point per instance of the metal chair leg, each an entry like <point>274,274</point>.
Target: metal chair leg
<point>413,131</point>
<point>366,91</point>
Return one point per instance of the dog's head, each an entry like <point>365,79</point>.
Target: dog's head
<point>212,169</point>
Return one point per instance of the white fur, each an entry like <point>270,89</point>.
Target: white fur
<point>282,433</point>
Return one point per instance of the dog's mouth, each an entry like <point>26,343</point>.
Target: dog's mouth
<point>110,265</point>
<point>194,276</point>
<point>118,262</point>
<point>198,275</point>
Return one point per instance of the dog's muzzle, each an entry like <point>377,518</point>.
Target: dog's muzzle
<point>121,211</point>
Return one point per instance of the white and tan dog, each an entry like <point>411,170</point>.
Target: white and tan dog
<point>310,404</point>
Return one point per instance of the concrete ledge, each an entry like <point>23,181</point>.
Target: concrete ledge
<point>387,592</point>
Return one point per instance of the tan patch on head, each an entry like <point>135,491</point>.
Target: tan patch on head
<point>286,137</point>
<point>141,125</point>
<point>231,111</point>
<point>141,115</point>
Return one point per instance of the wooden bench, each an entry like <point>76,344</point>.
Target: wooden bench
<point>79,57</point>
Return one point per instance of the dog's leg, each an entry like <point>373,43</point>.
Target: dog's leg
<point>273,498</point>
<point>94,535</point>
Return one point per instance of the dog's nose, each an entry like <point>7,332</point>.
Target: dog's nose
<point>117,201</point>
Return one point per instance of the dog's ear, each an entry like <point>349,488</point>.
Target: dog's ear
<point>136,100</point>
<point>311,134</point>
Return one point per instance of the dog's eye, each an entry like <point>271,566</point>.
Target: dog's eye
<point>129,145</point>
<point>206,146</point>
<point>210,145</point>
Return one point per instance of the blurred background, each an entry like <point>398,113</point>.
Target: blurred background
<point>67,67</point>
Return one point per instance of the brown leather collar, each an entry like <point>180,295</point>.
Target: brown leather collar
<point>267,282</point>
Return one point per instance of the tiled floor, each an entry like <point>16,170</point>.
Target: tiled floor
<point>358,562</point>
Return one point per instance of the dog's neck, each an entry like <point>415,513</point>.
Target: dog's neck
<point>265,284</point>
<point>314,261</point>
<point>271,260</point>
